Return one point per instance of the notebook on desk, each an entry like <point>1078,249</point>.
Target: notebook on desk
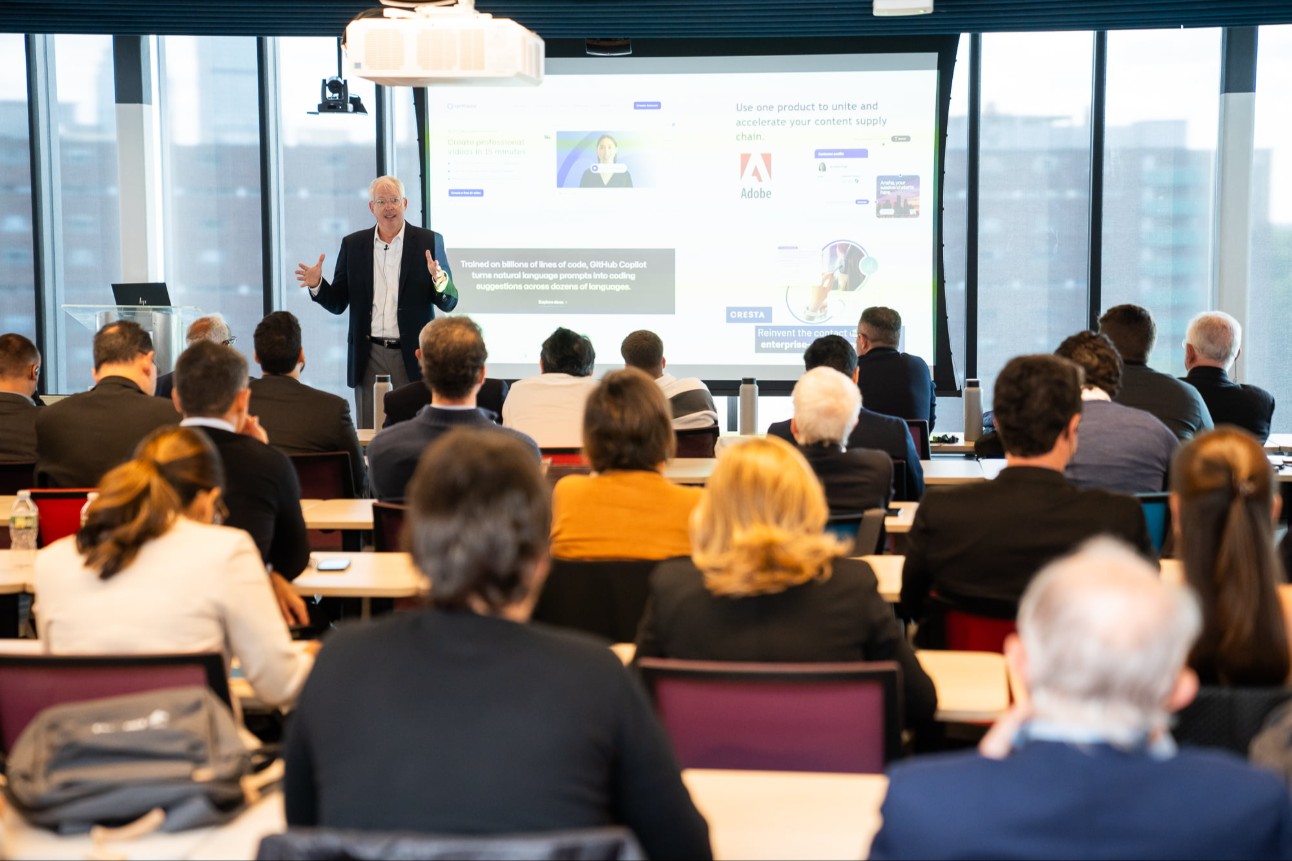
<point>143,293</point>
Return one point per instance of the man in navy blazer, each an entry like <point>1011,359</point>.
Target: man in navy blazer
<point>892,382</point>
<point>874,430</point>
<point>1084,766</point>
<point>391,278</point>
<point>1211,346</point>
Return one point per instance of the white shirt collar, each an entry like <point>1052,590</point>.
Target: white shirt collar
<point>1094,393</point>
<point>377,241</point>
<point>207,422</point>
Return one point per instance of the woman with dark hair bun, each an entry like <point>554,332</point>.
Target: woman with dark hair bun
<point>1224,506</point>
<point>461,718</point>
<point>151,571</point>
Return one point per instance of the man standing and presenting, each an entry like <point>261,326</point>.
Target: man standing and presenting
<point>389,277</point>
<point>892,383</point>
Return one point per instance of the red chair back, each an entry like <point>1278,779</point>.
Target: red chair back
<point>60,511</point>
<point>698,442</point>
<point>388,527</point>
<point>324,475</point>
<point>970,633</point>
<point>779,717</point>
<point>31,683</point>
<point>564,457</point>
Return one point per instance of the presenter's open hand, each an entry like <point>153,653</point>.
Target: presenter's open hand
<point>312,276</point>
<point>433,267</point>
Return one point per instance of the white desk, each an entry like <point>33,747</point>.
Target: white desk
<point>751,815</point>
<point>951,471</point>
<point>957,447</point>
<point>1279,443</point>
<point>900,523</point>
<point>973,687</point>
<point>337,513</point>
<point>12,580</point>
<point>366,435</point>
<point>370,575</point>
<point>888,571</point>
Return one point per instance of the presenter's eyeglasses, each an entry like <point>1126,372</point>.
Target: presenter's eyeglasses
<point>382,201</point>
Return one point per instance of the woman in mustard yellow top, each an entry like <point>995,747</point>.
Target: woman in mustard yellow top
<point>627,509</point>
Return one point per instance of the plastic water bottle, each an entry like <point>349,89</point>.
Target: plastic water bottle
<point>379,390</point>
<point>24,523</point>
<point>748,406</point>
<point>85,509</point>
<point>973,410</point>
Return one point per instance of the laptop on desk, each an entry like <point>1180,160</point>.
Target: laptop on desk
<point>143,293</point>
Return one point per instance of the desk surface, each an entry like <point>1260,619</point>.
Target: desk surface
<point>370,575</point>
<point>12,579</point>
<point>751,814</point>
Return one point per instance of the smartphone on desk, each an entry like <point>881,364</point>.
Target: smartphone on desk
<point>337,564</point>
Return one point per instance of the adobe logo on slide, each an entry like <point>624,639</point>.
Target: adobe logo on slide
<point>755,167</point>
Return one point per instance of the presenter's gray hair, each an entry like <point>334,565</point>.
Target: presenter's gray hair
<point>385,180</point>
<point>826,405</point>
<point>1105,640</point>
<point>1216,336</point>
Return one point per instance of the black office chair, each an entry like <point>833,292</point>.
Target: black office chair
<point>865,530</point>
<point>697,442</point>
<point>1227,718</point>
<point>609,843</point>
<point>602,597</point>
<point>388,527</point>
<point>919,429</point>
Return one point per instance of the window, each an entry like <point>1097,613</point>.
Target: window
<point>17,267</point>
<point>1160,148</point>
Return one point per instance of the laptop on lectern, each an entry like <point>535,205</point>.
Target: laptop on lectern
<point>144,293</point>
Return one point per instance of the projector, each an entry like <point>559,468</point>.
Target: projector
<point>442,45</point>
<point>902,7</point>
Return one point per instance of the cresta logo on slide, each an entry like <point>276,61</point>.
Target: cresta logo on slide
<point>755,169</point>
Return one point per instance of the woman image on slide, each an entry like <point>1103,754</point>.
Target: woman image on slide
<point>606,173</point>
<point>841,271</point>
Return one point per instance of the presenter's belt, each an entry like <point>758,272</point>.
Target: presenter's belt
<point>388,343</point>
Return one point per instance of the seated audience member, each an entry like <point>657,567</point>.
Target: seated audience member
<point>406,401</point>
<point>1177,405</point>
<point>152,572</point>
<point>688,398</point>
<point>452,355</point>
<point>977,546</point>
<point>1122,448</point>
<point>549,407</point>
<point>261,490</point>
<point>84,435</point>
<point>1211,345</point>
<point>627,509</point>
<point>1224,505</point>
<point>766,583</point>
<point>874,430</point>
<point>893,383</point>
<point>19,374</point>
<point>211,328</point>
<point>501,726</point>
<point>1084,766</point>
<point>826,404</point>
<point>299,419</point>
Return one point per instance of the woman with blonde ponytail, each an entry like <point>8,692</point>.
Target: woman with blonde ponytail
<point>152,571</point>
<point>765,582</point>
<point>1224,506</point>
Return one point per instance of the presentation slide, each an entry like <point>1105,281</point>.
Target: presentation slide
<point>740,207</point>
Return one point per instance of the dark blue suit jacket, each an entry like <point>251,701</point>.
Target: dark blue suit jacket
<point>888,434</point>
<point>1241,404</point>
<point>351,287</point>
<point>1054,800</point>
<point>393,453</point>
<point>897,384</point>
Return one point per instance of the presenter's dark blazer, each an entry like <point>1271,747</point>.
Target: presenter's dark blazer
<point>264,498</point>
<point>84,435</point>
<point>854,480</point>
<point>404,402</point>
<point>876,430</point>
<point>1057,800</point>
<point>1177,405</point>
<point>1247,406</point>
<point>351,287</point>
<point>979,545</point>
<point>17,428</point>
<point>301,420</point>
<point>897,384</point>
<point>842,618</point>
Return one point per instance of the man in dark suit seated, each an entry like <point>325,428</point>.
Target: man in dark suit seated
<point>261,490</point>
<point>211,328</point>
<point>977,546</point>
<point>874,430</point>
<point>892,383</point>
<point>453,358</point>
<point>406,401</point>
<point>86,434</point>
<point>299,419</point>
<point>1177,405</point>
<point>19,373</point>
<point>1212,344</point>
<point>1084,765</point>
<point>826,404</point>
